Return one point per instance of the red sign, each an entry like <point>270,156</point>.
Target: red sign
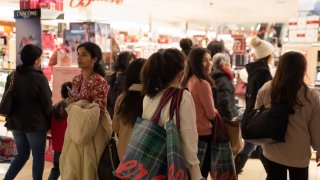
<point>86,3</point>
<point>81,3</point>
<point>313,22</point>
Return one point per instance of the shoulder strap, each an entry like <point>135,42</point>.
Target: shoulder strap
<point>175,105</point>
<point>165,98</point>
<point>11,80</point>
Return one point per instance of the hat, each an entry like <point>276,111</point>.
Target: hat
<point>262,48</point>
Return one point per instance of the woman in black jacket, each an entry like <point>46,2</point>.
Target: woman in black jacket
<point>224,90</point>
<point>116,79</point>
<point>258,74</point>
<point>29,117</point>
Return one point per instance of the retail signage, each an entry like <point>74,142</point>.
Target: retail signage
<point>24,14</point>
<point>86,3</point>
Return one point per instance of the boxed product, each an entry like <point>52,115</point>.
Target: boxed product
<point>59,5</point>
<point>311,35</point>
<point>301,35</point>
<point>47,4</point>
<point>312,22</point>
<point>302,22</point>
<point>29,4</point>
<point>293,23</point>
<point>293,36</point>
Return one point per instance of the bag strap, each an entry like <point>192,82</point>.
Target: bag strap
<point>11,81</point>
<point>165,98</point>
<point>175,105</point>
<point>218,123</point>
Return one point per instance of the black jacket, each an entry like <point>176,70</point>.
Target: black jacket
<point>258,74</point>
<point>116,85</point>
<point>31,110</point>
<point>223,94</point>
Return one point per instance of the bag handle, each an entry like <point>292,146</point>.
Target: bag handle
<point>11,81</point>
<point>175,105</point>
<point>218,123</point>
<point>165,98</point>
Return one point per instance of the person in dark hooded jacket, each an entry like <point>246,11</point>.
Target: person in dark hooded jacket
<point>258,75</point>
<point>223,91</point>
<point>58,128</point>
<point>30,115</point>
<point>116,79</point>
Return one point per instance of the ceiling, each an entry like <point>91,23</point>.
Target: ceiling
<point>181,12</point>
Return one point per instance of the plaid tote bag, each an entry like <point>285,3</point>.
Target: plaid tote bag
<point>175,160</point>
<point>8,149</point>
<point>202,149</point>
<point>146,154</point>
<point>222,164</point>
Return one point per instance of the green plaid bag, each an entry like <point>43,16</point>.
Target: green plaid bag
<point>176,163</point>
<point>222,163</point>
<point>147,155</point>
<point>202,148</point>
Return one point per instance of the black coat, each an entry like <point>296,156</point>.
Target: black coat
<point>31,110</point>
<point>116,86</point>
<point>258,74</point>
<point>223,94</point>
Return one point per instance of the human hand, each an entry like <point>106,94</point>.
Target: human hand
<point>317,159</point>
<point>70,100</point>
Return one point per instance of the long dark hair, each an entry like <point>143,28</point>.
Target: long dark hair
<point>288,80</point>
<point>131,104</point>
<point>95,52</point>
<point>160,70</point>
<point>195,67</point>
<point>123,59</point>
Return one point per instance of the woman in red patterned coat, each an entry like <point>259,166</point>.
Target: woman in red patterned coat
<point>87,129</point>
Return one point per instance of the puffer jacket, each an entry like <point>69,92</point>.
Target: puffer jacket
<point>223,94</point>
<point>81,155</point>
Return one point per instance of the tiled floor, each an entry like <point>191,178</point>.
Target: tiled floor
<point>252,171</point>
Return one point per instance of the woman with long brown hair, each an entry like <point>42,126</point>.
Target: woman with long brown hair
<point>288,87</point>
<point>200,84</point>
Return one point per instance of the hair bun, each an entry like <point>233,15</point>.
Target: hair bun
<point>255,41</point>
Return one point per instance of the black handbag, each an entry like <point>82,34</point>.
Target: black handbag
<point>109,160</point>
<point>6,101</point>
<point>266,125</point>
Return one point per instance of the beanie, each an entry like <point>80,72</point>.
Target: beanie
<point>262,48</point>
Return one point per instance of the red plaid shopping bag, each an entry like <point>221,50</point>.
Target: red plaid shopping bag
<point>7,149</point>
<point>146,154</point>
